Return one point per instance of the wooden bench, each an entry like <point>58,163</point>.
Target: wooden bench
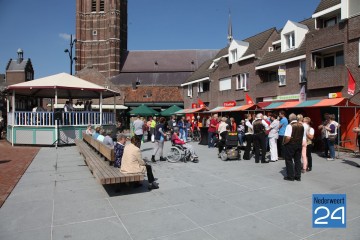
<point>101,170</point>
<point>106,151</point>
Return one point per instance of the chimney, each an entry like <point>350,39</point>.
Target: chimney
<point>20,53</point>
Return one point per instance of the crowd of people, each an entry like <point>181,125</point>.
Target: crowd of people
<point>289,139</point>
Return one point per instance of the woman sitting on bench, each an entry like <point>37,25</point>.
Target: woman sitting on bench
<point>176,140</point>
<point>132,162</point>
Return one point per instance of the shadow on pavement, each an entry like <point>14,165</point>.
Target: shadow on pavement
<point>352,163</point>
<point>115,190</point>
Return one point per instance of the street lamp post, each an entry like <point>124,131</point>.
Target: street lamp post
<point>70,52</point>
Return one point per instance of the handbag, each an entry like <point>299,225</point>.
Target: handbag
<point>332,137</point>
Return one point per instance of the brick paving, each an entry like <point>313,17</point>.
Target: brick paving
<point>13,163</point>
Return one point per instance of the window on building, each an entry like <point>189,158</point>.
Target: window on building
<point>330,22</point>
<point>206,86</point>
<point>102,5</point>
<point>272,77</point>
<point>282,75</point>
<point>234,56</point>
<point>94,32</point>
<point>93,5</point>
<point>189,91</point>
<point>225,84</point>
<point>302,71</point>
<point>329,60</point>
<point>290,40</point>
<point>201,87</point>
<point>242,81</point>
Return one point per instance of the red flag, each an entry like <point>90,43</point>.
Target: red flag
<point>201,103</point>
<point>351,83</point>
<point>248,99</point>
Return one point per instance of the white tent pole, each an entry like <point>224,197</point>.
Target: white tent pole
<point>7,105</point>
<point>100,108</point>
<point>13,116</point>
<point>56,98</point>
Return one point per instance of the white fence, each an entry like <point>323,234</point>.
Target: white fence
<point>68,118</point>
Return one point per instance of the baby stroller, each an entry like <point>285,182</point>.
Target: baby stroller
<point>231,150</point>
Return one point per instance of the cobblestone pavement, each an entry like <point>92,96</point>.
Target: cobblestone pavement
<point>58,198</point>
<point>13,163</point>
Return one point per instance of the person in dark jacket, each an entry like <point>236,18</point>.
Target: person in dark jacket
<point>119,150</point>
<point>159,140</point>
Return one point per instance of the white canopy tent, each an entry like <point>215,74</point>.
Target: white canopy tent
<point>58,86</point>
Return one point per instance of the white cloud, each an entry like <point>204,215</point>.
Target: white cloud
<point>64,36</point>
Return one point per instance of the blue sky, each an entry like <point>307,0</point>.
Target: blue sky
<point>41,27</point>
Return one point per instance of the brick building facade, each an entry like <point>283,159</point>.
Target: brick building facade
<point>314,53</point>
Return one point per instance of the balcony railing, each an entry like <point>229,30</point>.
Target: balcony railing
<point>326,77</point>
<point>47,119</point>
<point>266,89</point>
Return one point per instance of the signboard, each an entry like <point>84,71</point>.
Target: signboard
<point>229,104</point>
<point>335,95</point>
<point>282,98</point>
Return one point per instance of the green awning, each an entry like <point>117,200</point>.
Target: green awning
<point>143,111</point>
<point>170,111</point>
<point>308,103</point>
<point>274,105</point>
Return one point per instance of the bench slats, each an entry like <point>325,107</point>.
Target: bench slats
<point>101,170</point>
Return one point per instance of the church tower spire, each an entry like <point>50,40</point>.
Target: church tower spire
<point>230,33</point>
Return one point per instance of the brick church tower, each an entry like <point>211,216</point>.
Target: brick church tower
<point>101,33</point>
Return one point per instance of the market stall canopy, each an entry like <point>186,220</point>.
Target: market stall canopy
<point>144,111</point>
<point>170,111</point>
<point>189,110</point>
<point>310,103</point>
<point>231,109</point>
<point>67,87</point>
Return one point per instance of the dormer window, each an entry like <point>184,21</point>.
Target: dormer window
<point>290,41</point>
<point>293,35</point>
<point>237,50</point>
<point>330,22</point>
<point>234,55</point>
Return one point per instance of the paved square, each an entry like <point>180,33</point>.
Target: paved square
<point>58,198</point>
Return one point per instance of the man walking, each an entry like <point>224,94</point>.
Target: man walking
<point>292,148</point>
<point>212,130</point>
<point>138,126</point>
